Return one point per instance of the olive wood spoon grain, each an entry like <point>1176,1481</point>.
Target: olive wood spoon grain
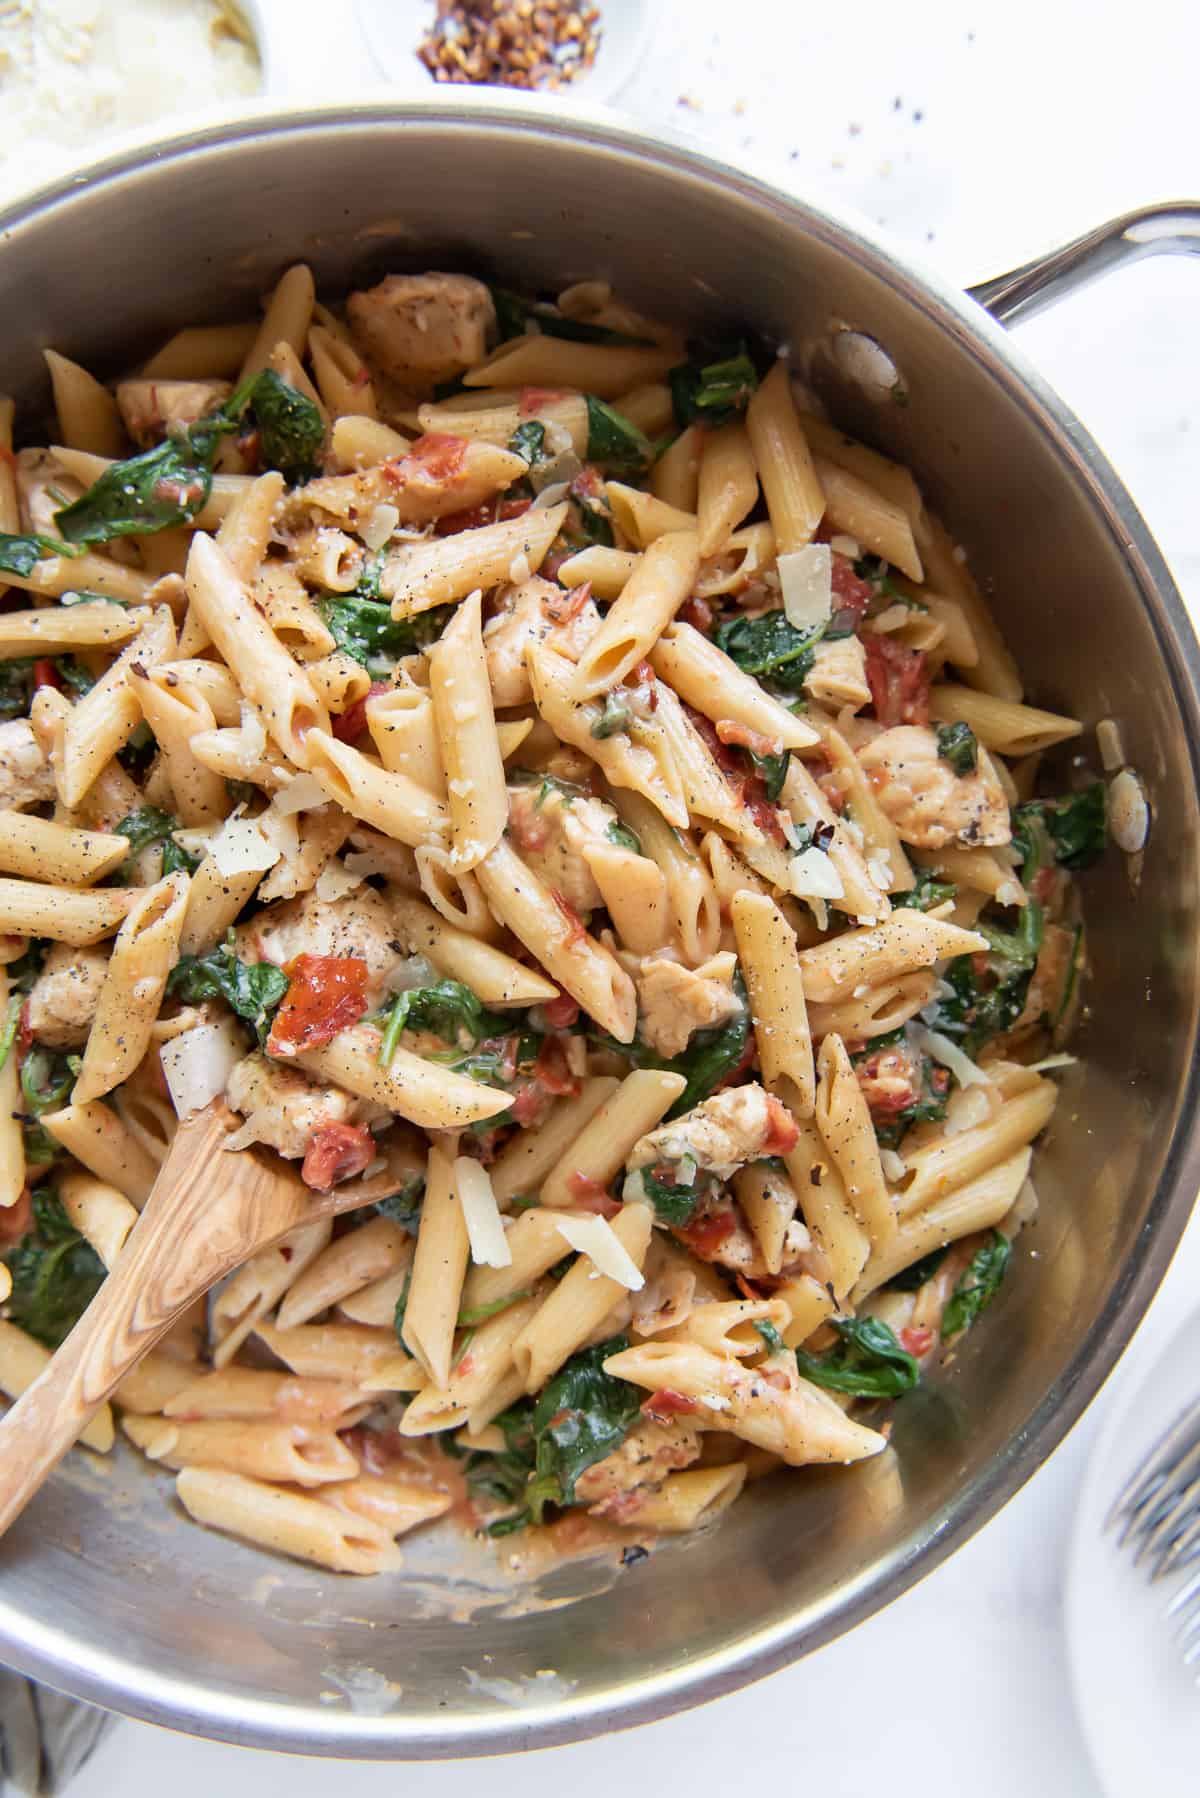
<point>209,1211</point>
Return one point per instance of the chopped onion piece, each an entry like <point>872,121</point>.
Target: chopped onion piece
<point>197,1063</point>
<point>596,1238</point>
<point>815,877</point>
<point>806,578</point>
<point>942,1050</point>
<point>481,1214</point>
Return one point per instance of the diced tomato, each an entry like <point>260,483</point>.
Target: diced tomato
<point>533,399</point>
<point>45,674</point>
<point>698,613</point>
<point>326,993</point>
<point>336,1152</point>
<point>351,723</point>
<point>705,1236</point>
<point>529,829</point>
<point>563,607</point>
<point>473,518</point>
<point>590,1195</point>
<point>666,1403</point>
<point>551,1069</point>
<point>465,1366</point>
<point>898,679</point>
<point>530,1105</point>
<point>512,506</point>
<point>588,483</point>
<point>437,457</point>
<point>722,753</point>
<point>562,1012</point>
<point>764,814</point>
<point>576,929</point>
<point>916,1342</point>
<point>783,1132</point>
<point>554,561</point>
<point>16,1219</point>
<point>850,593</point>
<point>740,736</point>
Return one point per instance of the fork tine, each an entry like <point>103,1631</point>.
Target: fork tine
<point>1185,1547</point>
<point>1186,1596</point>
<point>1177,1439</point>
<point>1178,1497</point>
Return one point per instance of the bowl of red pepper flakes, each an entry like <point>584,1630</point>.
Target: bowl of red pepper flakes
<point>584,48</point>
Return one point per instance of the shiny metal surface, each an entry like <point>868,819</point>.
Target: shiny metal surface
<point>1169,229</point>
<point>104,1590</point>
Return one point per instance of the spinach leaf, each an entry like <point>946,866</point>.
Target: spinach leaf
<point>710,1056</point>
<point>928,892</point>
<point>978,1286</point>
<point>673,1201</point>
<point>713,391</point>
<point>623,837</point>
<point>769,645</point>
<point>1074,823</point>
<point>16,683</point>
<point>46,1079</point>
<point>595,524</point>
<point>615,718</point>
<point>614,440</point>
<point>147,826</point>
<point>982,1006</point>
<point>77,677</point>
<point>290,429</point>
<point>471,1315</point>
<point>502,1476</point>
<point>81,597</point>
<point>19,554</point>
<point>579,1418</point>
<point>868,1361</point>
<point>449,1009</point>
<point>55,1274</point>
<point>956,745</point>
<point>773,769</point>
<point>514,315</point>
<point>24,971</point>
<point>252,989</point>
<point>770,1335</point>
<point>529,441</point>
<point>8,1026</point>
<point>911,1279</point>
<point>365,629</point>
<point>400,1311</point>
<point>874,570</point>
<point>404,1207</point>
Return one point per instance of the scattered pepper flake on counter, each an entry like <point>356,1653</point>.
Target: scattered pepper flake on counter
<point>511,43</point>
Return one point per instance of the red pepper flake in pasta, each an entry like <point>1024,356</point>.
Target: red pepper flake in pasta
<point>898,679</point>
<point>351,723</point>
<point>326,994</point>
<point>336,1152</point>
<point>533,399</point>
<point>496,43</point>
<point>666,1404</point>
<point>576,929</point>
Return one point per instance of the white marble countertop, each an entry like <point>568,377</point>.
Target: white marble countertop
<point>978,136</point>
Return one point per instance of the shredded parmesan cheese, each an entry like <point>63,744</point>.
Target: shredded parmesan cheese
<point>197,1063</point>
<point>806,579</point>
<point>596,1238</point>
<point>336,880</point>
<point>481,1214</point>
<point>241,848</point>
<point>950,1056</point>
<point>815,877</point>
<point>303,793</point>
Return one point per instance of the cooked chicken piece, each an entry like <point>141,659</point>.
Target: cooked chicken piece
<point>531,613</point>
<point>62,1003</point>
<point>356,924</point>
<point>929,803</point>
<point>286,1108</point>
<point>838,676</point>
<point>674,1001</point>
<point>26,777</point>
<point>44,487</point>
<point>550,829</point>
<point>613,1487</point>
<point>719,1135</point>
<point>423,328</point>
<point>150,408</point>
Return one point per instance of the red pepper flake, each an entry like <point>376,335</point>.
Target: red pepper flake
<point>576,930</point>
<point>326,994</point>
<point>533,399</point>
<point>667,1403</point>
<point>336,1152</point>
<point>351,723</point>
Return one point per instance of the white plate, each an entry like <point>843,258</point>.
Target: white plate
<point>1138,1706</point>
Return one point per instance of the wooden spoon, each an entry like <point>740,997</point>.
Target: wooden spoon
<point>209,1211</point>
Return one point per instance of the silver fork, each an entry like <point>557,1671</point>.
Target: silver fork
<point>1158,1515</point>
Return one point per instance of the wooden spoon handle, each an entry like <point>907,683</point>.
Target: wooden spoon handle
<point>38,1430</point>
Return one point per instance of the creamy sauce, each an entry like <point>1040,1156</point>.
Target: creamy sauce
<point>76,72</point>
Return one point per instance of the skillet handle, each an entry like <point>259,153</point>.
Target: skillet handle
<point>1171,228</point>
